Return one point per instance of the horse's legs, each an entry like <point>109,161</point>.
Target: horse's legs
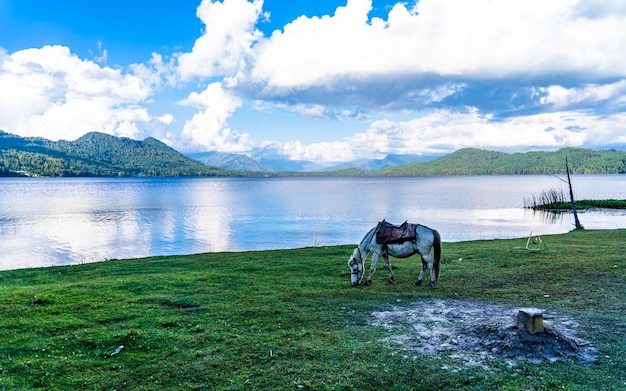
<point>388,264</point>
<point>375,257</point>
<point>426,259</point>
<point>421,276</point>
<point>427,262</point>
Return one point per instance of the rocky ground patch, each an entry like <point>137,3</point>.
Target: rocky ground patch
<point>477,334</point>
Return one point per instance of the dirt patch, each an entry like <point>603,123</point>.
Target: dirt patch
<point>477,334</point>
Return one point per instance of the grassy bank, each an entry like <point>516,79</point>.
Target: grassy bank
<point>557,199</point>
<point>583,204</point>
<point>291,320</point>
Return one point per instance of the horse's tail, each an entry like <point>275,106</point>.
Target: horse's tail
<point>437,245</point>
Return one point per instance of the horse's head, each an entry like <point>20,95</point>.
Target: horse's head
<point>356,266</point>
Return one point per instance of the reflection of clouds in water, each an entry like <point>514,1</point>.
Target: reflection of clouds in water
<point>207,218</point>
<point>88,237</point>
<point>209,227</point>
<point>547,217</point>
<point>168,226</point>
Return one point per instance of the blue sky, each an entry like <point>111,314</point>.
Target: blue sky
<point>324,81</point>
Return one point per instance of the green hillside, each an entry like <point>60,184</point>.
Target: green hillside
<point>471,161</point>
<point>96,154</point>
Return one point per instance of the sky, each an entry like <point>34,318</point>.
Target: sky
<point>326,81</point>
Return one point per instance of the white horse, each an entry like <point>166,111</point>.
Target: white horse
<point>426,238</point>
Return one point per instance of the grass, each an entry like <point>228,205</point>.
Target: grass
<point>582,204</point>
<point>290,319</point>
<point>556,199</point>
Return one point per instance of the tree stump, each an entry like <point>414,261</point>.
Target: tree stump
<point>531,320</point>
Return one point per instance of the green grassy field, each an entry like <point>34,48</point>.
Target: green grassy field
<point>291,320</point>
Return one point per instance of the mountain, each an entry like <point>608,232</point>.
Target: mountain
<point>96,154</point>
<point>267,164</point>
<point>390,160</point>
<point>471,161</point>
<point>231,161</point>
<point>290,165</point>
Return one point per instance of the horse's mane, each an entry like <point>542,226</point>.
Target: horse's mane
<point>364,245</point>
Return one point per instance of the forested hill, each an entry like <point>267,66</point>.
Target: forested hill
<point>471,161</point>
<point>95,154</point>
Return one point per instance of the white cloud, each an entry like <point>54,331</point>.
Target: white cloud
<point>103,55</point>
<point>159,128</point>
<point>479,39</point>
<point>52,93</point>
<point>229,34</point>
<point>562,97</point>
<point>208,128</point>
<point>444,131</point>
<point>324,152</point>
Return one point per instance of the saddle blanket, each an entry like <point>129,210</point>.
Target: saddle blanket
<point>387,233</point>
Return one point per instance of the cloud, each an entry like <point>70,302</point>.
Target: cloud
<point>50,92</point>
<point>103,55</point>
<point>422,55</point>
<point>493,74</point>
<point>611,94</point>
<point>322,152</point>
<point>208,128</point>
<point>227,39</point>
<point>159,128</point>
<point>444,131</point>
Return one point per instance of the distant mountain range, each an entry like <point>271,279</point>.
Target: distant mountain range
<point>231,161</point>
<point>467,161</point>
<point>98,154</point>
<point>240,162</point>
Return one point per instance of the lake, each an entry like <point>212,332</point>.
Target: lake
<point>61,221</point>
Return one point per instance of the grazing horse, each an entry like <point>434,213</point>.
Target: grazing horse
<point>425,239</point>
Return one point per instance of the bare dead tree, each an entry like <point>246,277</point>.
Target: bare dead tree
<point>571,196</point>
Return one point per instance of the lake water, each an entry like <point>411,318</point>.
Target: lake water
<point>59,221</point>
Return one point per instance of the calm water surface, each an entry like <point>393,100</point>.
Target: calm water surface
<point>58,221</point>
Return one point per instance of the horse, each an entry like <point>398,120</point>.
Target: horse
<point>425,240</point>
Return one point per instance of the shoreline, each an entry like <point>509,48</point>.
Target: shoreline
<point>349,245</point>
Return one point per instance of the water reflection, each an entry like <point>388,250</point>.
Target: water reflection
<point>549,217</point>
<point>207,220</point>
<point>67,221</point>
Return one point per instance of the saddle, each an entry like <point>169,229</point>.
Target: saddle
<point>387,233</point>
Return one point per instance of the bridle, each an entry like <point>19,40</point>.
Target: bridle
<point>359,261</point>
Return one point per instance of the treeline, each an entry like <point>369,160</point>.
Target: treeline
<point>96,154</point>
<point>471,161</point>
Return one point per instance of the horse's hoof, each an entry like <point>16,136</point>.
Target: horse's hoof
<point>390,280</point>
<point>430,285</point>
<point>367,282</point>
<point>418,282</point>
